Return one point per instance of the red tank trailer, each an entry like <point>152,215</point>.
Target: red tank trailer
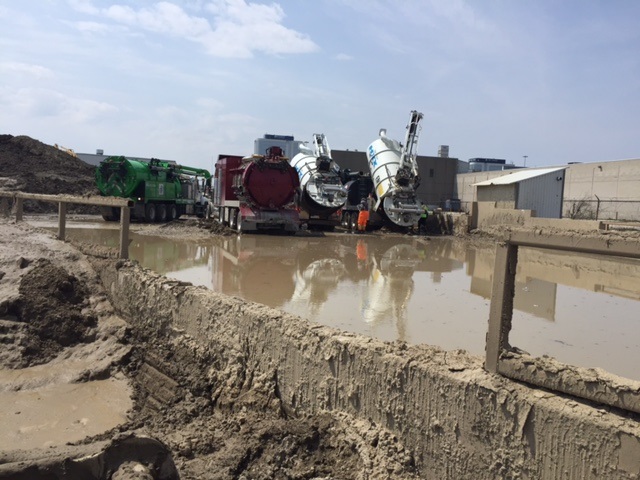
<point>257,192</point>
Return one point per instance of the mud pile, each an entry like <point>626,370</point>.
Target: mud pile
<point>30,166</point>
<point>46,317</point>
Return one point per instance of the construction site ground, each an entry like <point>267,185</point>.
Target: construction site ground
<point>75,375</point>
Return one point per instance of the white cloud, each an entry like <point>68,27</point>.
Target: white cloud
<point>209,103</point>
<point>40,102</point>
<point>26,68</point>
<point>237,30</point>
<point>343,57</point>
<point>92,27</point>
<point>84,6</point>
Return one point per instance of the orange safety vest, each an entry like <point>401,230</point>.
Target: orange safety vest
<point>363,217</point>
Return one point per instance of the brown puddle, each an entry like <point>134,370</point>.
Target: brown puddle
<point>579,309</point>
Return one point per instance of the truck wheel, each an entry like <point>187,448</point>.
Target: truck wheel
<point>150,213</point>
<point>238,221</point>
<point>353,224</point>
<point>161,213</point>
<point>345,220</point>
<point>232,220</point>
<point>172,213</point>
<point>110,214</point>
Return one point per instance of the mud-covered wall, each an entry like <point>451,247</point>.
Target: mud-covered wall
<point>460,421</point>
<point>487,214</point>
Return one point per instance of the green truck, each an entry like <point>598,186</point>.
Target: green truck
<point>161,191</point>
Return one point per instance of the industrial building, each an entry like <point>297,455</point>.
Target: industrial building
<point>539,190</point>
<point>592,191</point>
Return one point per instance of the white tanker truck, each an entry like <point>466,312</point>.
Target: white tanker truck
<point>394,171</point>
<point>321,190</point>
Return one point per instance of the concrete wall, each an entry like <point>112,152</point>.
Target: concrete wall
<point>616,184</point>
<point>464,186</point>
<point>485,215</point>
<point>489,214</point>
<point>459,421</point>
<point>504,196</point>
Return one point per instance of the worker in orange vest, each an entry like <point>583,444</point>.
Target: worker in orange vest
<point>363,216</point>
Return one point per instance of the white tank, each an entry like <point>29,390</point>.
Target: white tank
<point>399,203</point>
<point>384,161</point>
<point>305,164</point>
<point>323,188</point>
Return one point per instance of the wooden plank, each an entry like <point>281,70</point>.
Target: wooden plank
<point>599,244</point>
<point>77,199</point>
<point>19,209</point>
<point>581,382</point>
<point>62,220</point>
<point>125,213</point>
<point>501,311</point>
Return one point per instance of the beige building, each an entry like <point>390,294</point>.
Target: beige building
<point>538,190</point>
<point>596,191</point>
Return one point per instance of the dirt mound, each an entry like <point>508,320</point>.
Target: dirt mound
<point>30,166</point>
<point>46,317</point>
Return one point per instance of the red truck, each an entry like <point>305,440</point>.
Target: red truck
<point>257,192</point>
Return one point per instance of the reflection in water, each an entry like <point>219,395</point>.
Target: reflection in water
<point>534,296</point>
<point>257,268</point>
<point>433,291</point>
<point>391,286</point>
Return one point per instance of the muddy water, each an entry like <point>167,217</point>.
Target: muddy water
<point>580,309</point>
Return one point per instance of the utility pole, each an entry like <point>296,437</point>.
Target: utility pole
<point>525,159</point>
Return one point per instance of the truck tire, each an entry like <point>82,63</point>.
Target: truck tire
<point>233,218</point>
<point>238,221</point>
<point>345,220</point>
<point>172,213</point>
<point>150,213</point>
<point>201,211</point>
<point>353,223</point>
<point>161,213</point>
<point>110,214</point>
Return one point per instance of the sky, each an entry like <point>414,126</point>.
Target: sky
<point>536,82</point>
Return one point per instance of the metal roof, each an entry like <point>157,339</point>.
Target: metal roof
<point>518,176</point>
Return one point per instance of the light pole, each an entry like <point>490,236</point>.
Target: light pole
<point>525,159</point>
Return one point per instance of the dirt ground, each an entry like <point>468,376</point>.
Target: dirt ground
<point>60,332</point>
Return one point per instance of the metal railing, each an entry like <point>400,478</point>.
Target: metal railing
<point>124,204</point>
<point>502,359</point>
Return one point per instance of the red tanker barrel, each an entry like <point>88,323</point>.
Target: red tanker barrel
<point>270,184</point>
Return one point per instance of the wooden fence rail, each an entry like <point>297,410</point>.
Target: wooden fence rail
<point>124,204</point>
<point>510,362</point>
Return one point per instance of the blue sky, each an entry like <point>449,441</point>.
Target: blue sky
<point>558,81</point>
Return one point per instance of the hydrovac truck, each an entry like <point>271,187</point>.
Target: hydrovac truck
<point>394,172</point>
<point>321,191</point>
<point>161,190</point>
<point>257,192</point>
